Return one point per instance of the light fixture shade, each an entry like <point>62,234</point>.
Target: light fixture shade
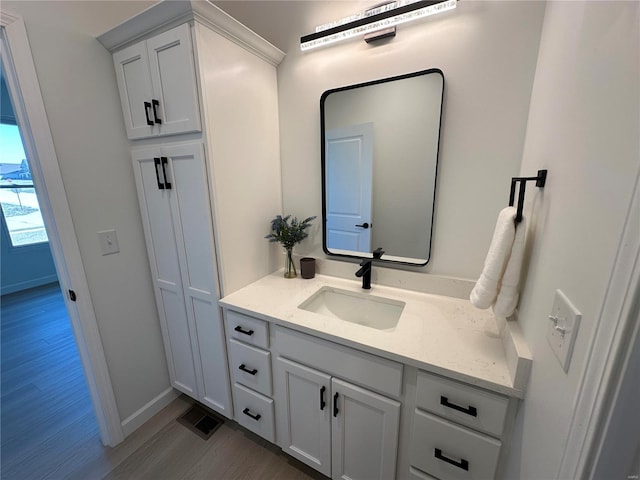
<point>377,18</point>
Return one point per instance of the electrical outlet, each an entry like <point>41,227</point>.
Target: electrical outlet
<point>108,242</point>
<point>562,330</point>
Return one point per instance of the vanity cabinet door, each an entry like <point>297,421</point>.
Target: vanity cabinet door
<point>364,433</point>
<point>303,406</point>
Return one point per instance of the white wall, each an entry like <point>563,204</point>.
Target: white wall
<point>78,86</point>
<point>487,51</point>
<point>244,154</point>
<point>583,127</point>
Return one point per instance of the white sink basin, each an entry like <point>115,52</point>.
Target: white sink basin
<point>364,309</point>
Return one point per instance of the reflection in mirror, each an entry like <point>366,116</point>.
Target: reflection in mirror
<point>379,160</point>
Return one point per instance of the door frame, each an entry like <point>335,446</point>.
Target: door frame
<point>31,117</point>
<point>611,347</point>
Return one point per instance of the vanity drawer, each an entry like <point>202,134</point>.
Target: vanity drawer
<point>250,366</point>
<point>477,408</point>
<point>448,451</point>
<point>362,368</point>
<point>247,329</point>
<point>254,411</point>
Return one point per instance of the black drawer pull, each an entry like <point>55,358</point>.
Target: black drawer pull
<point>248,413</point>
<point>322,402</point>
<point>242,330</point>
<point>147,107</point>
<point>335,405</point>
<point>156,104</point>
<point>164,162</point>
<point>244,368</point>
<point>156,162</point>
<point>463,464</point>
<point>469,411</point>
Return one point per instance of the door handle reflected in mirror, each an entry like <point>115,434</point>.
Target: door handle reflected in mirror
<point>364,225</point>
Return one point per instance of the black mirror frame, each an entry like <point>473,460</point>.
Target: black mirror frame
<point>323,98</point>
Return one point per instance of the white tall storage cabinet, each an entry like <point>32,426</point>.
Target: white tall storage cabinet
<point>199,99</point>
<point>174,202</point>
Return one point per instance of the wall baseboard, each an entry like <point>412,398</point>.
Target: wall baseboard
<point>35,282</point>
<point>140,416</point>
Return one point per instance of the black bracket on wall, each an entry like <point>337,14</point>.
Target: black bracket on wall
<point>541,179</point>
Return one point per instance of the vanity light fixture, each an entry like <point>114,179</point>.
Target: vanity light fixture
<point>380,17</point>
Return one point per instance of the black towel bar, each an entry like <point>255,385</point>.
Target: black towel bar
<point>541,179</point>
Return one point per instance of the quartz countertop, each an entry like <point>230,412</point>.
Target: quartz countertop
<point>439,334</point>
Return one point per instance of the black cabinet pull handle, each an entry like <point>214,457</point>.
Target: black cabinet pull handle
<point>463,464</point>
<point>335,405</point>
<point>156,104</point>
<point>242,330</point>
<point>156,163</point>
<point>364,225</point>
<point>469,411</point>
<point>244,368</point>
<point>248,413</point>
<point>167,185</point>
<point>147,106</point>
<point>322,402</point>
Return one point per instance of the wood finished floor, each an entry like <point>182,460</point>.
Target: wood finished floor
<point>48,429</point>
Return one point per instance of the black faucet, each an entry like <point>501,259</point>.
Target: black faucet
<point>365,268</point>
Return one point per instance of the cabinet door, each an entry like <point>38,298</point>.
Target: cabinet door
<point>134,85</point>
<point>162,248</point>
<point>174,81</point>
<point>364,433</point>
<point>191,211</point>
<point>304,405</point>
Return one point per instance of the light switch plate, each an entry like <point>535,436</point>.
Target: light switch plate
<point>108,242</point>
<point>562,330</point>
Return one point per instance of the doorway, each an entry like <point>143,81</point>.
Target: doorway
<point>26,257</point>
<point>46,408</point>
<point>26,99</point>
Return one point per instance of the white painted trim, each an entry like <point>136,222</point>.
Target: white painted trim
<point>606,351</point>
<point>32,119</point>
<point>221,22</point>
<point>140,416</point>
<point>618,443</point>
<point>31,283</point>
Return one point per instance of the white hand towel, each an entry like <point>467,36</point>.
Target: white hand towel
<point>485,292</point>
<point>508,296</point>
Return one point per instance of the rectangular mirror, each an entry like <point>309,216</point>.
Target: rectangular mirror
<point>379,160</point>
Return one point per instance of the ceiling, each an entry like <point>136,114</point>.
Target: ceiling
<point>282,23</point>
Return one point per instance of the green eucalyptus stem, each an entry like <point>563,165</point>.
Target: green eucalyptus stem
<point>289,231</point>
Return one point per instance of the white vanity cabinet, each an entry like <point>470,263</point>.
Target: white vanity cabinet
<point>157,84</point>
<point>457,430</point>
<point>173,193</point>
<point>434,397</point>
<point>341,429</point>
<point>250,371</point>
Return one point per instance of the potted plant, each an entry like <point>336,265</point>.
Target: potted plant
<point>289,231</point>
